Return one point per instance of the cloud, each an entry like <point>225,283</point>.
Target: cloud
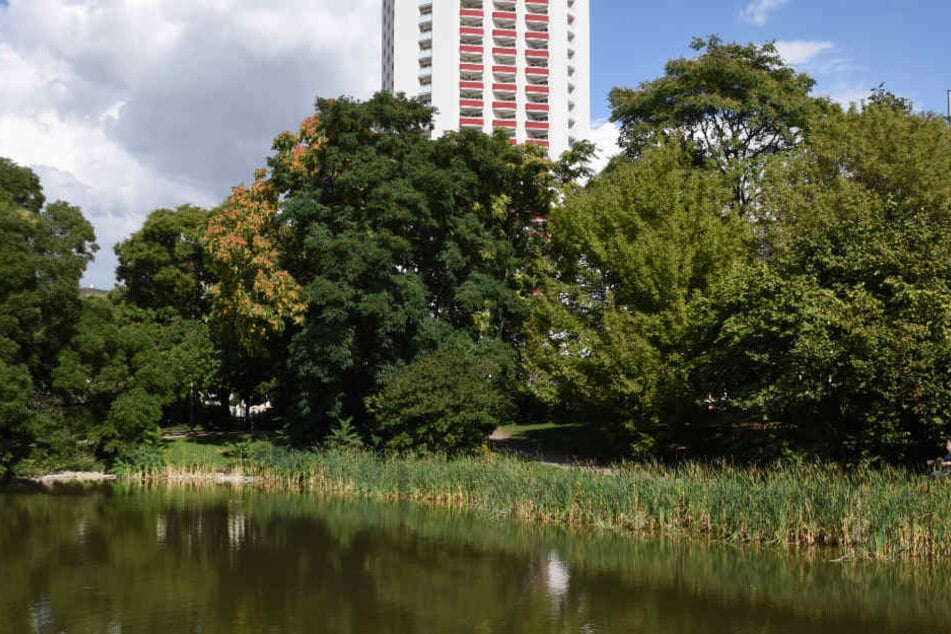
<point>758,11</point>
<point>799,52</point>
<point>604,134</point>
<point>124,107</point>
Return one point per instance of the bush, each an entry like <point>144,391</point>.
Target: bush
<point>16,416</point>
<point>449,400</point>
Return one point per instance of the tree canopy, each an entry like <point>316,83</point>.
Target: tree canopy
<point>394,241</point>
<point>842,334</point>
<point>44,250</point>
<point>162,265</point>
<point>732,106</point>
<point>630,254</point>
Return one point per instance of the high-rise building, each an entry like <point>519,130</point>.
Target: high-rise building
<point>518,65</point>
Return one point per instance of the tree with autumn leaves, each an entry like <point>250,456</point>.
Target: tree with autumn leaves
<point>366,250</point>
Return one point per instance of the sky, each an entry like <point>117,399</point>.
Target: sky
<point>125,106</point>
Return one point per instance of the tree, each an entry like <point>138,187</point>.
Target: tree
<point>128,368</point>
<point>399,240</point>
<point>162,265</point>
<point>254,298</point>
<point>20,186</point>
<point>17,416</point>
<point>629,255</point>
<point>843,335</point>
<point>381,243</point>
<point>732,106</point>
<point>43,253</point>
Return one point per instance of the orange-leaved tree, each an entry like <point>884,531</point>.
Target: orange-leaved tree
<point>255,297</point>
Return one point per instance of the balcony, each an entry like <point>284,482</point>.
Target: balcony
<point>504,19</point>
<point>537,22</point>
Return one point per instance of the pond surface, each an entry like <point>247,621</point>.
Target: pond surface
<point>180,560</point>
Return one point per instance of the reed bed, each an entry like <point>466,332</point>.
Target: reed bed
<point>864,514</point>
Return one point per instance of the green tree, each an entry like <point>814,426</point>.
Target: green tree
<point>20,186</point>
<point>377,243</point>
<point>842,336</point>
<point>127,369</point>
<point>399,239</point>
<point>732,105</point>
<point>43,253</point>
<point>17,416</point>
<point>629,256</point>
<point>162,265</point>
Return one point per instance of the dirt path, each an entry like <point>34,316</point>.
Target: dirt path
<point>502,442</point>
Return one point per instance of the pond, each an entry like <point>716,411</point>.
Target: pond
<point>170,560</point>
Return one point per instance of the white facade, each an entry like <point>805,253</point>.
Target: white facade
<point>519,65</point>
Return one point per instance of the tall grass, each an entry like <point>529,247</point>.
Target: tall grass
<point>868,514</point>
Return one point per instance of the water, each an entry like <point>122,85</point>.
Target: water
<point>179,560</point>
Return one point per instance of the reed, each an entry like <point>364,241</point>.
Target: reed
<point>863,513</point>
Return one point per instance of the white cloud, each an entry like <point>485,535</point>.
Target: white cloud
<point>758,11</point>
<point>604,134</point>
<point>122,107</point>
<point>799,52</point>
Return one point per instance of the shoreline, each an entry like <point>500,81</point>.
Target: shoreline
<point>883,515</point>
<point>94,477</point>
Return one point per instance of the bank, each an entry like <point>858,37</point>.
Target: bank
<point>878,514</point>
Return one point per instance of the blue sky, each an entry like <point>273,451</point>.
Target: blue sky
<point>906,44</point>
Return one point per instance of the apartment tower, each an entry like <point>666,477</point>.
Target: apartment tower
<point>521,66</point>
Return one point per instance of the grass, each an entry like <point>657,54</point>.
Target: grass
<point>866,514</point>
<point>550,439</point>
<point>190,454</point>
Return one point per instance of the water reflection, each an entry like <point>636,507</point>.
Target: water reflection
<point>237,530</point>
<point>161,530</point>
<point>178,560</point>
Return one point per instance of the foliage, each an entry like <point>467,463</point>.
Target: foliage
<point>17,417</point>
<point>162,265</point>
<point>396,241</point>
<point>142,458</point>
<point>448,400</point>
<point>42,257</point>
<point>344,436</point>
<point>127,367</point>
<point>255,298</point>
<point>844,334</point>
<point>732,106</point>
<point>43,253</point>
<point>629,256</point>
<point>20,186</point>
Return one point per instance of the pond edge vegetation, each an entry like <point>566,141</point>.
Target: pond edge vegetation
<point>860,513</point>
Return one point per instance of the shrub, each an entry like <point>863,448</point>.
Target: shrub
<point>448,400</point>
